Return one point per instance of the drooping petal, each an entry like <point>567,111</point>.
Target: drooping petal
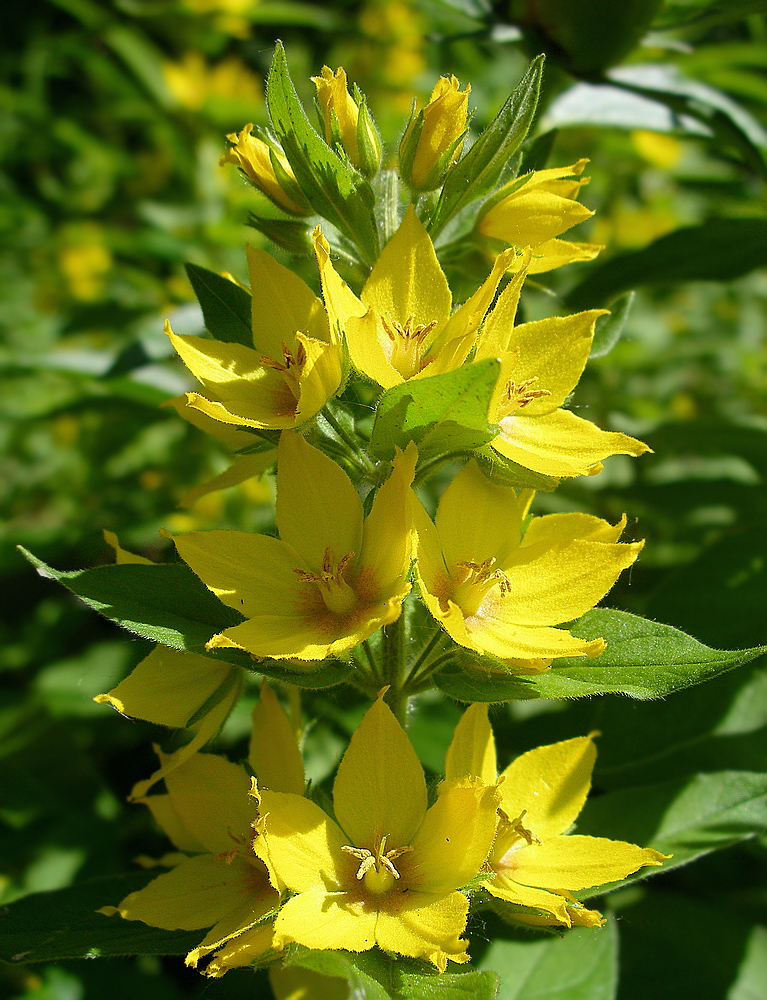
<point>455,837</point>
<point>561,444</point>
<point>577,862</point>
<point>226,433</point>
<point>321,919</point>
<point>252,573</point>
<point>557,583</point>
<point>241,919</point>
<point>282,304</point>
<point>197,893</point>
<point>317,506</point>
<point>314,636</point>
<point>523,895</point>
<point>274,754</point>
<point>210,795</point>
<point>388,534</point>
<point>550,784</point>
<point>492,531</point>
<point>407,279</point>
<point>472,750</point>
<point>240,951</point>
<point>426,926</point>
<point>554,352</point>
<point>171,824</point>
<point>302,845</point>
<point>380,790</point>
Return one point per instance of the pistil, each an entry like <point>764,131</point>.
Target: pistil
<point>338,596</point>
<point>291,367</point>
<point>473,581</point>
<point>408,345</point>
<point>377,870</point>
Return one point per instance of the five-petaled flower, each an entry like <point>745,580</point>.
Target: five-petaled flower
<point>499,591</point>
<point>388,869</point>
<point>293,368</point>
<point>541,363</point>
<point>535,863</point>
<point>331,579</point>
<point>402,327</point>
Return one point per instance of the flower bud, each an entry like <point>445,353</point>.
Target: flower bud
<point>268,170</point>
<point>434,137</point>
<point>340,113</point>
<point>369,143</point>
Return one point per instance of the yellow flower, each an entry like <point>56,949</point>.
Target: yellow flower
<point>541,363</point>
<point>500,592</point>
<point>257,161</point>
<point>387,871</point>
<point>402,326</point>
<point>536,863</point>
<point>338,109</point>
<point>434,137</point>
<point>331,580</point>
<point>291,371</point>
<point>535,212</point>
<point>206,812</point>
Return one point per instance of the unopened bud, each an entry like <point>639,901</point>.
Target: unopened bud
<point>268,170</point>
<point>433,139</point>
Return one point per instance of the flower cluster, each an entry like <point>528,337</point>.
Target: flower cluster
<point>364,544</point>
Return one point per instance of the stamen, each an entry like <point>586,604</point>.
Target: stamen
<point>407,344</point>
<point>517,396</point>
<point>291,367</point>
<point>377,868</point>
<point>480,574</point>
<point>338,596</point>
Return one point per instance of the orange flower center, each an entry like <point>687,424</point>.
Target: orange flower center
<point>473,581</point>
<point>291,367</point>
<point>338,596</point>
<point>407,345</point>
<point>376,869</point>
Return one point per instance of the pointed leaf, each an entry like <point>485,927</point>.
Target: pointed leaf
<point>225,306</point>
<point>608,329</point>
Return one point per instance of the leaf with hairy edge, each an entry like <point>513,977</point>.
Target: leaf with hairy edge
<point>643,659</point>
<point>443,414</point>
<point>334,188</point>
<point>608,329</point>
<point>50,926</point>
<point>225,306</point>
<point>478,170</point>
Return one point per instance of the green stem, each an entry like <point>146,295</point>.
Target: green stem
<point>359,455</point>
<point>423,657</point>
<point>394,669</point>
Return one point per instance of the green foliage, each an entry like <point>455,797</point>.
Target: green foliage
<point>225,306</point>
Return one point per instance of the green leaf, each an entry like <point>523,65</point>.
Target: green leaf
<point>580,965</point>
<point>686,818</point>
<point>609,328</point>
<point>500,469</point>
<point>717,250</point>
<point>225,306</point>
<point>361,971</point>
<point>328,674</point>
<point>643,659</point>
<point>442,414</point>
<point>166,602</point>
<point>705,12</point>
<point>334,188</point>
<point>479,169</point>
<point>50,926</point>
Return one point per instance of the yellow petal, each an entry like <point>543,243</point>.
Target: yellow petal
<point>229,435</point>
<point>472,750</point>
<point>210,796</point>
<point>333,97</point>
<point>241,951</point>
<point>281,305</point>
<point>302,637</point>
<point>556,253</point>
<point>274,754</point>
<point>577,862</point>
<point>499,325</point>
<point>556,529</point>
<point>388,537</point>
<point>302,845</point>
<point>171,823</point>
<point>197,893</point>
<point>553,351</point>
<point>491,532</point>
<point>509,641</point>
<point>454,839</point>
<point>122,556</point>
<point>317,506</point>
<point>261,401</point>
<point>407,279</point>
<point>380,789</point>
<point>559,583</point>
<point>322,919</point>
<point>425,926</point>
<point>550,784</point>
<point>523,895</point>
<point>340,301</point>
<point>168,687</point>
<point>241,919</point>
<point>560,444</point>
<point>320,376</point>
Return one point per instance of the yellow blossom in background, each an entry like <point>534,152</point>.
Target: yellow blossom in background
<point>332,578</point>
<point>256,159</point>
<point>85,260</point>
<point>541,363</point>
<point>500,592</point>
<point>433,138</point>
<point>291,371</point>
<point>387,870</point>
<point>536,863</point>
<point>402,325</point>
<point>537,210</point>
<point>193,81</point>
<point>231,17</point>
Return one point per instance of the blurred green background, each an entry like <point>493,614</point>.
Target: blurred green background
<point>113,122</point>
